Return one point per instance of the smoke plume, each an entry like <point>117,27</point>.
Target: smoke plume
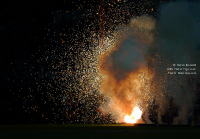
<point>134,72</point>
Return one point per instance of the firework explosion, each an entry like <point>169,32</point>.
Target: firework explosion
<point>125,76</point>
<point>107,81</point>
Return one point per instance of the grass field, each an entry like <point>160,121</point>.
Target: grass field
<point>111,131</point>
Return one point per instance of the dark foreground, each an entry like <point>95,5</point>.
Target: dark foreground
<point>98,131</point>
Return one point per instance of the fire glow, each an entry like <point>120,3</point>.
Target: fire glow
<point>135,115</point>
<point>124,74</point>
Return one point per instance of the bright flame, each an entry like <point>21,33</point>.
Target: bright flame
<point>136,115</point>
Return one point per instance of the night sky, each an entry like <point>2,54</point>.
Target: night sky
<point>41,43</point>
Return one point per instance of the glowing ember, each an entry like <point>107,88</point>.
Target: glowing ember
<point>136,115</point>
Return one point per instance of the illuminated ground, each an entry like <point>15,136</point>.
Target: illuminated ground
<point>97,131</point>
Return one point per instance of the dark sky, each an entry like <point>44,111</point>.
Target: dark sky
<point>23,27</point>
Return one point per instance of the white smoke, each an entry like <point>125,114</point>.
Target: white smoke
<point>179,28</point>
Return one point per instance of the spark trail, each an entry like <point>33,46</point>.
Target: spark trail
<point>104,84</point>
